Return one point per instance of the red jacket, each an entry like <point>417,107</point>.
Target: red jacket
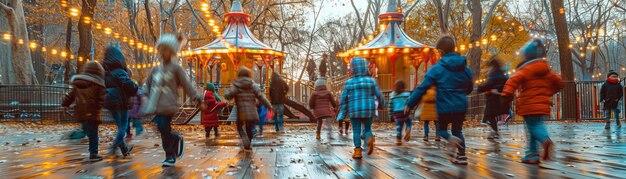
<point>209,116</point>
<point>321,101</point>
<point>537,84</point>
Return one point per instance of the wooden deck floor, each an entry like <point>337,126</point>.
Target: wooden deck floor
<point>584,150</point>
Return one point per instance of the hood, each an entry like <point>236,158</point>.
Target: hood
<point>359,66</point>
<point>210,87</point>
<point>113,59</point>
<point>321,88</point>
<point>538,67</point>
<point>453,61</point>
<point>244,83</point>
<point>81,80</point>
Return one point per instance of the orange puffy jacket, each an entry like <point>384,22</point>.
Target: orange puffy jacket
<point>537,84</point>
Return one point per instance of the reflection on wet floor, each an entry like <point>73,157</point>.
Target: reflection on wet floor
<point>584,150</point>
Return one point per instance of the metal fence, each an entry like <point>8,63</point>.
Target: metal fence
<point>32,103</point>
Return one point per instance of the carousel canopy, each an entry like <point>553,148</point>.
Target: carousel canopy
<point>391,38</point>
<point>237,37</point>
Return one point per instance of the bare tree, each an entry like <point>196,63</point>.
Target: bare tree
<point>23,71</point>
<point>85,33</point>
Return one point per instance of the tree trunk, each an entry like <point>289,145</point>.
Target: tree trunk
<point>565,56</point>
<point>68,49</point>
<point>149,19</point>
<point>475,52</point>
<point>85,34</point>
<point>21,58</point>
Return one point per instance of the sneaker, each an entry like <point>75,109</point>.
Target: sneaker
<point>95,158</point>
<point>207,135</point>
<point>460,160</point>
<point>407,135</point>
<point>493,136</point>
<point>340,131</point>
<point>437,138</point>
<point>531,158</point>
<point>169,162</point>
<point>346,131</point>
<point>370,145</point>
<point>425,139</point>
<point>358,153</point>
<point>180,148</point>
<point>126,150</point>
<point>548,150</point>
<point>318,136</point>
<point>398,141</point>
<point>218,135</point>
<point>607,126</point>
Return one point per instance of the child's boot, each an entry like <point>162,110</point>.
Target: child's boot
<point>460,160</point>
<point>407,135</point>
<point>548,149</point>
<point>531,158</point>
<point>425,139</point>
<point>358,153</point>
<point>318,136</point>
<point>398,141</point>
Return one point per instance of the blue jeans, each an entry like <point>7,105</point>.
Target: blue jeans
<point>456,119</point>
<point>361,123</point>
<point>121,120</point>
<point>400,123</point>
<point>279,119</point>
<point>427,128</point>
<point>91,129</point>
<point>136,122</point>
<point>168,138</point>
<point>537,132</point>
<point>615,113</point>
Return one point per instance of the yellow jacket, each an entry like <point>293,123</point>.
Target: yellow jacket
<point>429,110</point>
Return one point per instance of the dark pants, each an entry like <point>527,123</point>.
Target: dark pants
<point>456,119</point>
<point>402,121</point>
<point>121,120</point>
<point>244,128</point>
<point>208,130</point>
<point>320,122</point>
<point>342,123</point>
<point>91,129</point>
<point>493,122</point>
<point>169,138</point>
<point>427,128</point>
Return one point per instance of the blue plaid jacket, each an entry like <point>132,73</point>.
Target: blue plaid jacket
<point>359,96</point>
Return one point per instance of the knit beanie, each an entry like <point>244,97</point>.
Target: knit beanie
<point>533,50</point>
<point>94,68</point>
<point>320,82</point>
<point>170,41</point>
<point>612,73</point>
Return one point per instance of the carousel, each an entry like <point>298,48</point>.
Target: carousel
<point>236,46</point>
<point>392,54</point>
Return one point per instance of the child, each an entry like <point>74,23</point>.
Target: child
<point>209,115</point>
<point>537,84</point>
<point>397,100</point>
<point>262,119</point>
<point>493,89</point>
<point>162,89</point>
<point>358,103</point>
<point>454,82</point>
<point>135,115</point>
<point>610,94</point>
<point>87,93</point>
<point>322,102</point>
<point>246,95</point>
<point>429,112</point>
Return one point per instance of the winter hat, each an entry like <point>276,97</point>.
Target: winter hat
<point>612,73</point>
<point>170,41</point>
<point>93,67</point>
<point>210,87</point>
<point>320,82</point>
<point>533,50</point>
<point>244,72</point>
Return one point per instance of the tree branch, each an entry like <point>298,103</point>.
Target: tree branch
<point>488,17</point>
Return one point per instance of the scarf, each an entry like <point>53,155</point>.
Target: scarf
<point>612,81</point>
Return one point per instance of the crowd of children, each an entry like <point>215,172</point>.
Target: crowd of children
<point>441,99</point>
